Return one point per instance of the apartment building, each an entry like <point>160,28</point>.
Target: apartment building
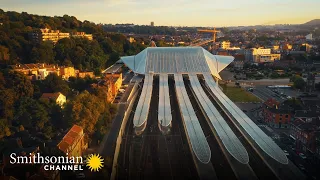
<point>224,45</point>
<point>267,58</point>
<point>82,35</point>
<point>67,72</point>
<point>55,35</point>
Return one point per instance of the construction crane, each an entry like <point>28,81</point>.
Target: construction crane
<point>214,32</point>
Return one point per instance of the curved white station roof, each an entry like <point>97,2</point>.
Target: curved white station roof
<point>171,60</point>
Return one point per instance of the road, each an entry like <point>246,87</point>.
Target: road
<point>280,94</point>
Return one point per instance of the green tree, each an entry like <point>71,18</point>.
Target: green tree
<point>31,114</point>
<point>19,83</point>
<point>4,129</point>
<point>84,110</point>
<point>7,99</point>
<point>54,83</point>
<point>299,83</point>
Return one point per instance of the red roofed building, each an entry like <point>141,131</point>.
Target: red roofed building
<point>58,98</point>
<point>276,116</point>
<point>73,142</point>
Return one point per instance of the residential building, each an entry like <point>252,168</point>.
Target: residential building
<point>306,47</point>
<point>55,35</point>
<point>83,74</point>
<point>131,39</point>
<point>37,71</point>
<point>67,72</point>
<point>251,54</point>
<point>82,35</point>
<point>73,142</point>
<point>238,64</point>
<point>224,45</point>
<point>275,114</point>
<point>305,134</point>
<point>267,58</point>
<point>222,52</point>
<point>48,35</point>
<point>113,82</point>
<point>152,24</point>
<point>58,98</point>
<point>287,47</point>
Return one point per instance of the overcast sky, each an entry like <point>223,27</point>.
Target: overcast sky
<point>175,12</point>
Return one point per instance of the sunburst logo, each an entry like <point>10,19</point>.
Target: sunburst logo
<point>95,162</point>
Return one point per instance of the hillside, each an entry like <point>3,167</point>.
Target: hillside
<point>312,22</point>
<point>102,51</point>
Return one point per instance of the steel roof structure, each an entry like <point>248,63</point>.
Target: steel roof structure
<point>194,131</point>
<point>259,137</point>
<point>164,112</point>
<point>226,135</point>
<point>176,60</point>
<point>142,110</point>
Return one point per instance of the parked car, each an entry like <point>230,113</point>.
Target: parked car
<point>302,156</point>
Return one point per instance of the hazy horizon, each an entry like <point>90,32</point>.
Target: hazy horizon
<point>174,13</point>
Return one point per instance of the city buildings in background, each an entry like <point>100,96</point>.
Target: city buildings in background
<point>152,24</point>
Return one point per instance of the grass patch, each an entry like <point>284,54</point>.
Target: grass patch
<point>239,95</point>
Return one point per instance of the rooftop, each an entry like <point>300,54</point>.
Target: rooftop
<point>53,96</point>
<point>70,138</point>
<point>169,60</point>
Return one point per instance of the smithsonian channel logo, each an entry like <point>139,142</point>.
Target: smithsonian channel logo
<point>62,163</point>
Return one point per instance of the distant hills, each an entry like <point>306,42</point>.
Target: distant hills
<point>312,22</point>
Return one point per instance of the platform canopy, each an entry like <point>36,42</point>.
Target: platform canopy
<point>169,60</point>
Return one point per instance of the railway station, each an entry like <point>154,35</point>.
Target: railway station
<point>181,114</point>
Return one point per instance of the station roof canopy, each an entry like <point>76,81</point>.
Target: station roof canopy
<point>182,60</point>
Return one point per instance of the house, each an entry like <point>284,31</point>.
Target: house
<point>73,142</point>
<point>112,82</point>
<point>275,114</point>
<point>37,71</point>
<point>83,74</point>
<point>67,72</point>
<point>58,98</point>
<point>305,134</point>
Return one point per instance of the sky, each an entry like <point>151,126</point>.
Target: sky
<point>209,13</point>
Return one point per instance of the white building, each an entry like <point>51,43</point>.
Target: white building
<point>309,37</point>
<point>58,98</point>
<point>251,54</point>
<point>43,73</point>
<point>267,58</point>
